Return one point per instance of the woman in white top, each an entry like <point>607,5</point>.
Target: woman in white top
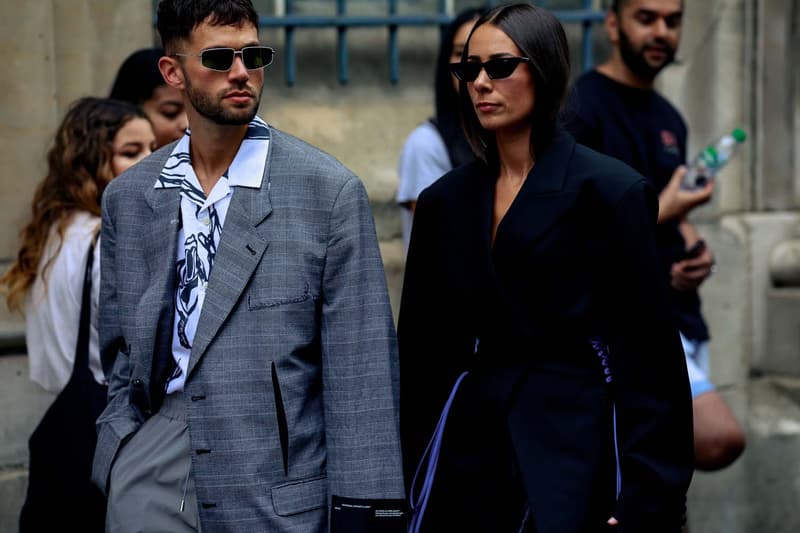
<point>437,145</point>
<point>98,139</point>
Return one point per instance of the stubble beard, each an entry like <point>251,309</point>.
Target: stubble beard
<point>635,61</point>
<point>211,107</point>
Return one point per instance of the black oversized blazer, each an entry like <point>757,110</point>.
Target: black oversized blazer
<point>574,260</point>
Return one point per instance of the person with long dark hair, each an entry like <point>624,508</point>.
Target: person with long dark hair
<point>543,386</point>
<point>438,144</point>
<point>140,83</point>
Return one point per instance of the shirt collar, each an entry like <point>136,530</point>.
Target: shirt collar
<point>246,169</point>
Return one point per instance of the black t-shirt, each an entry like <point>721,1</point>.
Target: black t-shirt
<point>642,129</point>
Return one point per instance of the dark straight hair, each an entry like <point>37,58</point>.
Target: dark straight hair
<point>540,37</point>
<point>138,77</point>
<point>448,117</point>
<point>177,18</point>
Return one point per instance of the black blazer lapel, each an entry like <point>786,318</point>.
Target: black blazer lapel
<point>541,200</point>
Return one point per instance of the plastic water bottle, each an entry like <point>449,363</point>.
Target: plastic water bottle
<point>708,163</point>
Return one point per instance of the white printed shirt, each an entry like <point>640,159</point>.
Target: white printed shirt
<point>202,221</point>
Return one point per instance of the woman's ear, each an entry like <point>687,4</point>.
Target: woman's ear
<point>172,71</point>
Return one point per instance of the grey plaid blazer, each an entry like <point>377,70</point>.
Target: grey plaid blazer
<point>292,388</point>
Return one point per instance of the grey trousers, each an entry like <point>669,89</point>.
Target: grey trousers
<point>151,489</point>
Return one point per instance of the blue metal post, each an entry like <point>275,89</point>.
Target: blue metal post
<point>394,53</point>
<point>587,58</point>
<point>341,47</point>
<point>442,12</point>
<point>289,55</point>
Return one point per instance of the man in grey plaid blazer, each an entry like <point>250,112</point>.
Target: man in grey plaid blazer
<point>244,319</point>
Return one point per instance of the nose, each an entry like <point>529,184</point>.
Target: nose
<point>238,71</point>
<point>660,27</point>
<point>483,82</point>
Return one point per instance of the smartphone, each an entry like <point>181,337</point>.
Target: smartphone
<point>695,250</point>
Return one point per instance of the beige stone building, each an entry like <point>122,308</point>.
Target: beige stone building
<point>739,65</point>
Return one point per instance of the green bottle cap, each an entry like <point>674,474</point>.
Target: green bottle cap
<point>739,135</point>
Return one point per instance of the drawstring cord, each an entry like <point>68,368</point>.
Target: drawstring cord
<point>185,488</point>
<point>431,456</point>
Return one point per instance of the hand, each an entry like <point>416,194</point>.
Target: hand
<point>675,202</point>
<point>688,274</point>
<point>613,522</point>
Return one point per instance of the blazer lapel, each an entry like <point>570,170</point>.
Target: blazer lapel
<point>540,201</point>
<point>240,249</point>
<point>161,254</point>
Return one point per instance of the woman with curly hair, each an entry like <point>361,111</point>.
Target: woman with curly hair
<point>98,139</point>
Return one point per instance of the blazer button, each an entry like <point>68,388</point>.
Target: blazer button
<point>137,382</point>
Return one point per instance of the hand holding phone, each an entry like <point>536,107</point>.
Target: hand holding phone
<point>695,250</point>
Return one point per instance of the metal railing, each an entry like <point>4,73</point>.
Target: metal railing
<point>290,21</point>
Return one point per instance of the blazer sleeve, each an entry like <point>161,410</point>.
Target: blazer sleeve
<point>360,375</point>
<point>654,410</point>
<point>119,419</point>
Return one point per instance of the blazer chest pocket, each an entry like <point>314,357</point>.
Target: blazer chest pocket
<point>278,297</point>
<point>300,496</point>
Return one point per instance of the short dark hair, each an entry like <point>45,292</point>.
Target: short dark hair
<point>617,5</point>
<point>138,77</point>
<point>540,37</point>
<point>177,18</point>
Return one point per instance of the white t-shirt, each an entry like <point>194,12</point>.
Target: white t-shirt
<point>424,159</point>
<point>53,308</point>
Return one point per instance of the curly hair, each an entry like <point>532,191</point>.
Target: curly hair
<point>79,168</point>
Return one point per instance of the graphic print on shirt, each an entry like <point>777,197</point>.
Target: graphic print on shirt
<point>670,143</point>
<point>194,270</point>
<point>173,171</point>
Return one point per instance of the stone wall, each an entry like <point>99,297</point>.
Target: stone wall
<point>738,66</point>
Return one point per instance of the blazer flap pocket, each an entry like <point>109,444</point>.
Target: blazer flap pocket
<point>300,496</point>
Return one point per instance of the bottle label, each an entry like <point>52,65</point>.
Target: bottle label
<point>709,157</point>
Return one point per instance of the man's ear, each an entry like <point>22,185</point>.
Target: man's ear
<point>612,26</point>
<point>172,72</point>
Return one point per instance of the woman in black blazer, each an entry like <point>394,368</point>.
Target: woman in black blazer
<point>534,328</point>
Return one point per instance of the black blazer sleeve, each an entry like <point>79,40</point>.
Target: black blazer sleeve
<point>654,417</point>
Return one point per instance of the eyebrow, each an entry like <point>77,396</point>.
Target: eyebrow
<point>131,144</point>
<point>493,56</point>
<point>653,13</point>
<point>251,43</point>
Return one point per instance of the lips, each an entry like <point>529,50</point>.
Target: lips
<point>486,107</point>
<point>239,96</point>
<point>657,51</point>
